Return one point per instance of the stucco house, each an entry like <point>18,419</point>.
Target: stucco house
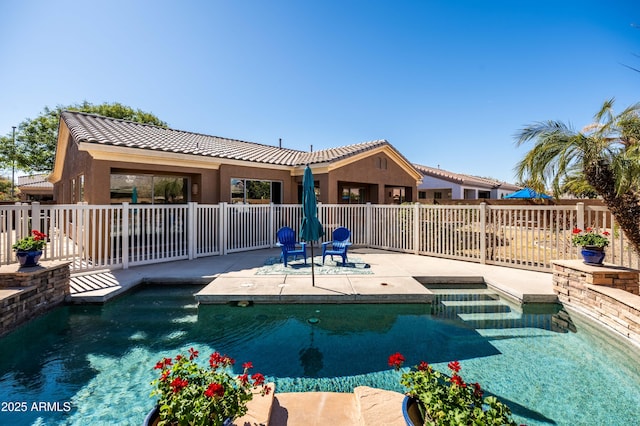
<point>101,160</point>
<point>438,184</point>
<point>35,188</point>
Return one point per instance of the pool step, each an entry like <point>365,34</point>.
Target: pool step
<point>479,308</point>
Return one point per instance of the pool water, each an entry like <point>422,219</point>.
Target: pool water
<point>93,364</point>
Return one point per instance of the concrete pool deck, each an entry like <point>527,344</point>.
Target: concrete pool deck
<point>392,278</point>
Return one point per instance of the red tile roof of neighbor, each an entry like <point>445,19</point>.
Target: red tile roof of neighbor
<point>97,129</point>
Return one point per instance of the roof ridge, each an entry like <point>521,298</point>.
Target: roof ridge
<point>97,129</point>
<point>104,117</point>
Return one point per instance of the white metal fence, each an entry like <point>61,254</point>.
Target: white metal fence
<point>118,236</point>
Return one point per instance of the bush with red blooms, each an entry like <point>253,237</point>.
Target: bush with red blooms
<point>590,238</point>
<point>190,394</point>
<point>444,400</point>
<point>36,241</point>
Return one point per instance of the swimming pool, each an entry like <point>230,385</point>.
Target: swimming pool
<point>93,364</point>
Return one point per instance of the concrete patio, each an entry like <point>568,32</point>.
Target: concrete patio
<point>394,278</point>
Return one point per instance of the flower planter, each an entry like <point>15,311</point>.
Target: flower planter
<point>593,255</point>
<point>28,258</point>
<point>411,412</point>
<point>153,418</point>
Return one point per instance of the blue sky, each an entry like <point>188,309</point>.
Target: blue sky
<point>448,83</point>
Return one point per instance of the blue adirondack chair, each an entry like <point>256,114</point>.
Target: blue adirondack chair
<point>287,242</point>
<point>339,245</point>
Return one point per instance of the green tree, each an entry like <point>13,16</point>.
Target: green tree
<point>36,138</point>
<point>605,155</point>
<point>5,190</point>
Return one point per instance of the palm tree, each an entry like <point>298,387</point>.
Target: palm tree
<point>605,155</point>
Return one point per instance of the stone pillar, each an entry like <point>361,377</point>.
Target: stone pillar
<point>26,293</point>
<point>609,294</point>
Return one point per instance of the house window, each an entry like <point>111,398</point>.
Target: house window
<point>437,195</point>
<point>422,195</point>
<point>249,191</point>
<point>148,189</point>
<point>353,195</point>
<point>81,187</point>
<point>73,191</point>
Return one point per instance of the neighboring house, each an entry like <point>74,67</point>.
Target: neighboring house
<point>102,160</point>
<point>438,184</point>
<point>35,188</point>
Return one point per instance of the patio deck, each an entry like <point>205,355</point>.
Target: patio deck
<point>393,278</point>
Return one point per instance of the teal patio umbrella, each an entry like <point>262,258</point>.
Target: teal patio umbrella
<point>311,229</point>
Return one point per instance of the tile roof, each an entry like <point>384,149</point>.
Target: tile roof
<point>463,179</point>
<point>91,128</point>
<point>34,181</point>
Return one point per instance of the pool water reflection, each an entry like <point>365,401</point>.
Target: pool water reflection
<point>99,359</point>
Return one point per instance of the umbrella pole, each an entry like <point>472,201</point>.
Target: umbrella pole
<point>313,273</point>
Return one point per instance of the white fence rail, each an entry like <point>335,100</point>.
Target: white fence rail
<point>119,236</point>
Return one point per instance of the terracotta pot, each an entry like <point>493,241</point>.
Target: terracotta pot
<point>28,258</point>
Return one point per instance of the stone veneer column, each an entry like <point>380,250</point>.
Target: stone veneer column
<point>570,277</point>
<point>609,293</point>
<point>26,293</point>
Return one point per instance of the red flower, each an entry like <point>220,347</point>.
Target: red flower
<point>577,230</point>
<point>396,360</point>
<point>454,366</point>
<point>606,233</point>
<point>214,389</point>
<point>216,359</point>
<point>247,365</point>
<point>477,390</point>
<point>457,380</point>
<point>258,379</point>
<point>244,378</point>
<point>37,235</point>
<point>192,354</point>
<point>423,366</point>
<point>178,384</point>
<point>267,389</point>
<point>178,357</point>
<point>161,364</point>
<point>164,375</point>
<point>589,229</point>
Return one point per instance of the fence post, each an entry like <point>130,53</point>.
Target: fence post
<point>483,233</point>
<point>192,208</point>
<point>124,232</point>
<point>580,215</point>
<point>271,223</point>
<point>222,230</point>
<point>416,228</point>
<point>35,216</point>
<point>367,225</point>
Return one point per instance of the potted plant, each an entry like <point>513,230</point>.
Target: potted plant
<point>192,394</point>
<point>29,249</point>
<point>592,243</point>
<point>436,399</point>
